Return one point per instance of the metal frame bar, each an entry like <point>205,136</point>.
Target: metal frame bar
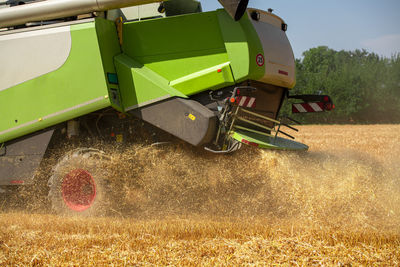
<point>260,116</point>
<point>251,130</point>
<point>254,123</point>
<point>277,123</point>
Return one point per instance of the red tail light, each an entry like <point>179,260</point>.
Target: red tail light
<point>329,106</point>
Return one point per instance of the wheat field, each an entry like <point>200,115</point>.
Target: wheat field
<point>337,204</point>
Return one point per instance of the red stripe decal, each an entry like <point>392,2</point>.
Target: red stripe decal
<point>283,72</point>
<point>321,105</point>
<point>17,182</point>
<point>308,107</point>
<point>252,103</point>
<point>249,143</point>
<point>246,102</point>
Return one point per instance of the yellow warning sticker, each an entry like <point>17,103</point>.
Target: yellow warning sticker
<point>192,117</point>
<point>119,138</point>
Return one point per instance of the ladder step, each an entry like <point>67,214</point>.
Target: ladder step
<point>254,123</point>
<point>260,116</point>
<point>251,130</point>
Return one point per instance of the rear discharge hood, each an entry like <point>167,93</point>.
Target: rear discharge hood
<point>278,55</point>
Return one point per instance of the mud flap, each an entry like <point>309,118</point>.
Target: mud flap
<point>266,142</point>
<point>20,158</point>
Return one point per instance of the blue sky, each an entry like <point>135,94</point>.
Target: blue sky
<point>339,24</point>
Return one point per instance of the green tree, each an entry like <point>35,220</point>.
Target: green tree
<point>364,87</point>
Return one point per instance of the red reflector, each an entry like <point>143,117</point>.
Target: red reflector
<point>237,92</point>
<point>219,70</point>
<point>17,182</point>
<point>328,106</point>
<point>112,134</point>
<point>326,99</point>
<point>283,72</point>
<point>249,143</point>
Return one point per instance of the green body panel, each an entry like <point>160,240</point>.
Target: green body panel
<point>255,48</point>
<point>77,88</point>
<point>242,46</point>
<point>140,85</point>
<point>192,53</point>
<point>267,142</point>
<point>212,78</point>
<point>176,46</point>
<point>109,47</point>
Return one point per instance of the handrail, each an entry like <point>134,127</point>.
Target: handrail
<point>277,123</point>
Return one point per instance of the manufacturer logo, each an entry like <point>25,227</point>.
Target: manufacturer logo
<point>260,60</point>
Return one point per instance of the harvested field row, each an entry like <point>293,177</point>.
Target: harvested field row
<point>338,203</point>
<point>46,239</point>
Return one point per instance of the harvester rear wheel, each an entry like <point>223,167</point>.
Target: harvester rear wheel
<point>78,184</point>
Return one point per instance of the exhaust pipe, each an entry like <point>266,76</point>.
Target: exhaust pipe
<point>55,9</point>
<point>235,8</point>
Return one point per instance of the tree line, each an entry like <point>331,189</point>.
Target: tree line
<point>364,87</point>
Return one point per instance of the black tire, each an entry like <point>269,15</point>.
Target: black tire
<point>78,185</point>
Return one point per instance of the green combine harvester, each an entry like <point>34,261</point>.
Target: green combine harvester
<point>78,71</point>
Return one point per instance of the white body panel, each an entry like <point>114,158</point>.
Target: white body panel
<point>53,9</point>
<point>27,55</point>
<point>279,59</point>
<point>135,12</point>
<point>142,11</point>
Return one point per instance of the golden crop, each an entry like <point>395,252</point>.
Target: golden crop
<point>337,204</point>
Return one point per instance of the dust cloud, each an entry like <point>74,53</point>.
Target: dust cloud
<point>332,185</point>
<point>340,189</point>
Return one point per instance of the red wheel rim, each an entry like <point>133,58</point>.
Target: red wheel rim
<point>78,190</point>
